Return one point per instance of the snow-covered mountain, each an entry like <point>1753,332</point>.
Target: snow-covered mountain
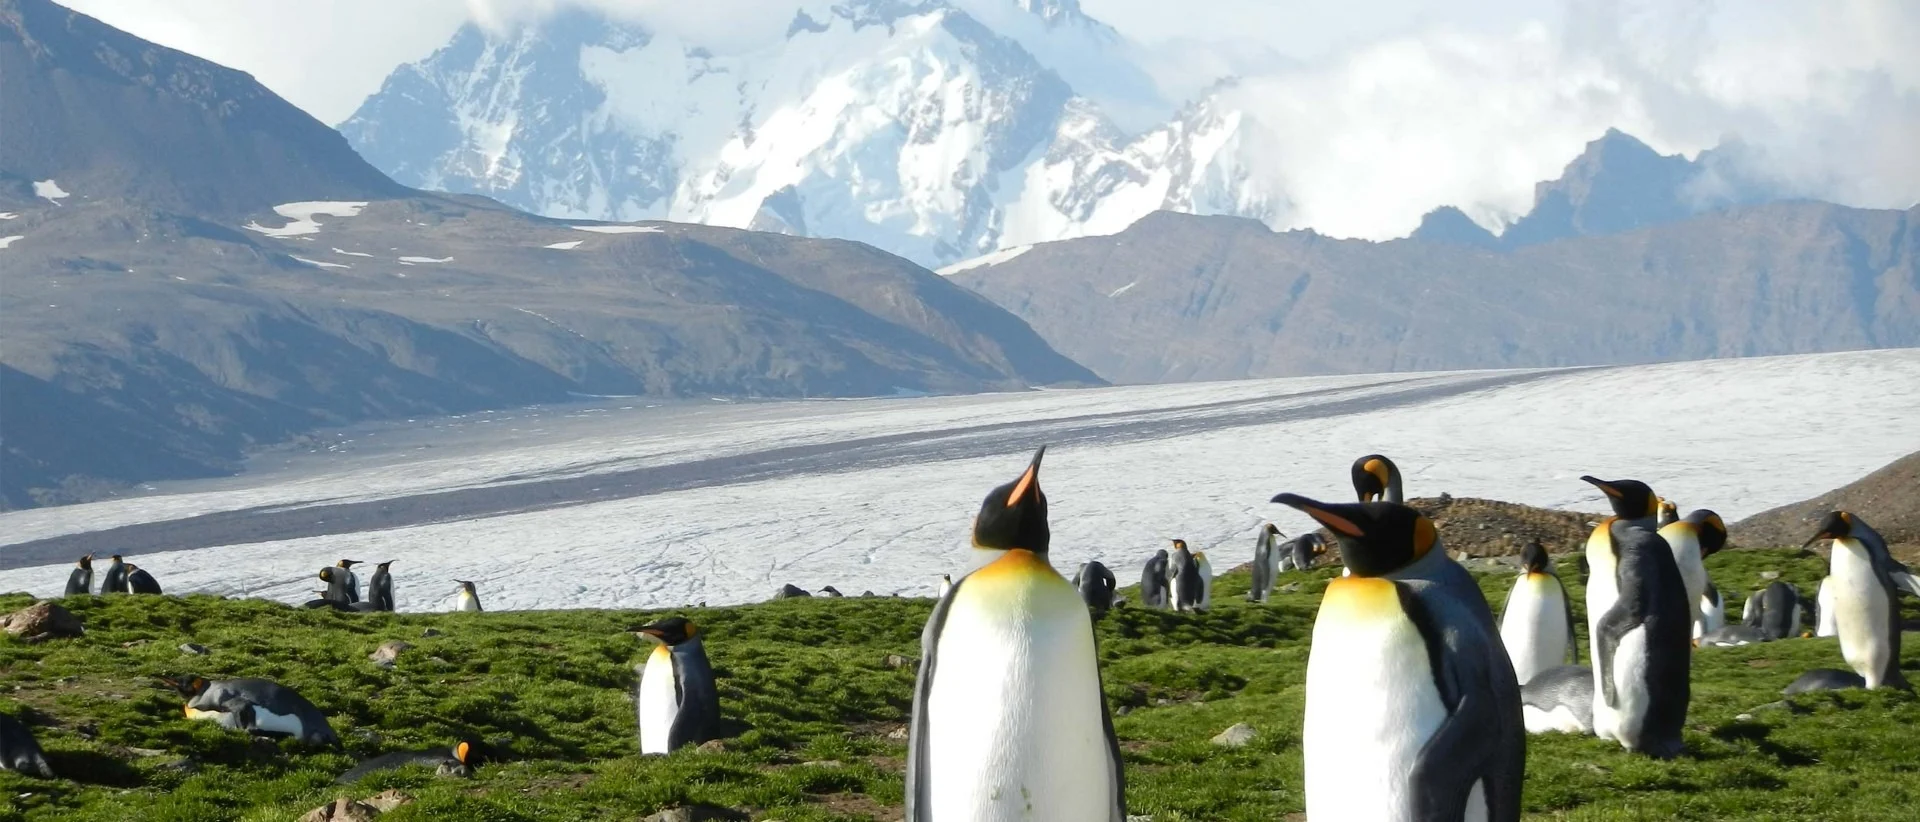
<point>934,129</point>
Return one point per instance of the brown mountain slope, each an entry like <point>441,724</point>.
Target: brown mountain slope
<point>1888,499</point>
<point>1180,297</point>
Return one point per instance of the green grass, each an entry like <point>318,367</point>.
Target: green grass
<point>806,684</point>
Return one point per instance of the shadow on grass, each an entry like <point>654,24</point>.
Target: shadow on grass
<point>94,769</point>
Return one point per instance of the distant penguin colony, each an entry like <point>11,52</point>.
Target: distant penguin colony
<point>676,699</point>
<point>1413,711</point>
<point>1418,699</point>
<point>1639,626</point>
<point>1009,719</point>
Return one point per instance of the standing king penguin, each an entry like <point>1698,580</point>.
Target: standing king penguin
<point>1183,577</point>
<point>1154,591</point>
<point>1866,599</point>
<point>1377,479</point>
<point>1009,722</point>
<point>469,598</point>
<point>1537,625</point>
<point>1639,626</point>
<point>115,580</point>
<point>1694,539</point>
<point>1266,562</point>
<point>380,587</point>
<point>677,702</point>
<point>352,580</point>
<point>1413,711</point>
<point>81,580</point>
<point>1097,586</point>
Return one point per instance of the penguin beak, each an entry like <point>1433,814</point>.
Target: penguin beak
<point>461,752</point>
<point>1028,480</point>
<point>1604,486</point>
<point>1322,513</point>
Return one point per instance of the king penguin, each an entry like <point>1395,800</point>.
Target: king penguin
<point>380,587</point>
<point>677,702</point>
<point>140,582</point>
<point>1413,712</point>
<point>1537,625</point>
<point>1694,539</point>
<point>352,582</point>
<point>1778,613</point>
<point>81,580</point>
<point>1376,478</point>
<point>1299,553</point>
<point>1669,513</point>
<point>1009,721</point>
<point>1559,700</point>
<point>19,751</point>
<point>1866,601</point>
<point>1183,577</point>
<point>1713,610</point>
<point>1639,626</point>
<point>254,705</point>
<point>115,580</point>
<point>1153,581</point>
<point>469,598</point>
<point>1204,568</point>
<point>455,761</point>
<point>1096,585</point>
<point>1266,562</point>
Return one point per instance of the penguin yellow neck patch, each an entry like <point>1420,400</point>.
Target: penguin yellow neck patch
<point>1017,562</point>
<point>1350,598</point>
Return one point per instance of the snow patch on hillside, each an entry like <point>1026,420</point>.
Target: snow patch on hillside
<point>301,216</point>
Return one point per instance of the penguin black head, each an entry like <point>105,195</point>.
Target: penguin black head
<point>1376,538</point>
<point>1836,525</point>
<point>1318,542</point>
<point>1712,531</point>
<point>116,557</point>
<point>86,562</point>
<point>383,566</point>
<point>1273,529</point>
<point>1534,558</point>
<point>1181,544</point>
<point>326,574</point>
<point>349,563</point>
<point>464,584</point>
<point>468,752</point>
<point>1371,475</point>
<point>188,686</point>
<point>1668,508</point>
<point>1631,499</point>
<point>672,630</point>
<point>1014,515</point>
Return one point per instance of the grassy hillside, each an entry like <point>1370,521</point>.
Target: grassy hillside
<point>816,707</point>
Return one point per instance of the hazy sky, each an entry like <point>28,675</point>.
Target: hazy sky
<point>1376,110</point>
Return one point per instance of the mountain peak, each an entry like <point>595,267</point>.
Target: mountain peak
<point>1447,224</point>
<point>184,132</point>
<point>1052,11</point>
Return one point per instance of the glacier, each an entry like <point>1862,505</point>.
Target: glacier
<point>727,501</point>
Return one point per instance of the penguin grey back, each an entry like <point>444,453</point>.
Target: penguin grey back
<point>791,591</point>
<point>1266,561</point>
<point>1153,581</point>
<point>380,587</point>
<point>1652,597</point>
<point>1096,585</point>
<point>1779,611</point>
<point>262,694</point>
<point>1566,688</point>
<point>141,582</point>
<point>458,760</point>
<point>699,717</point>
<point>115,580</point>
<point>19,751</point>
<point>1824,679</point>
<point>81,580</point>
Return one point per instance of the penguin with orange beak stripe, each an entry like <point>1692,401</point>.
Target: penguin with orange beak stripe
<point>1009,720</point>
<point>1866,599</point>
<point>456,761</point>
<point>1413,711</point>
<point>677,701</point>
<point>1638,624</point>
<point>1377,479</point>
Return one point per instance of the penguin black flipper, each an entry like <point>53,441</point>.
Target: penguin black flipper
<point>1118,807</point>
<point>1457,755</point>
<point>1613,625</point>
<point>698,719</point>
<point>919,802</point>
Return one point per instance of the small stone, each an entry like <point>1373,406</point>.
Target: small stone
<point>341,810</point>
<point>1743,718</point>
<point>182,765</point>
<point>900,734</point>
<point>713,746</point>
<point>430,632</point>
<point>898,661</point>
<point>697,813</point>
<point>389,651</point>
<point>1134,817</point>
<point>146,752</point>
<point>134,643</point>
<point>1769,574</point>
<point>1235,737</point>
<point>821,763</point>
<point>193,649</point>
<point>42,621</point>
<point>387,800</point>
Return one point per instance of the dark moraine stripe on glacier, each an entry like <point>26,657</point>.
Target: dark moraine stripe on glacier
<point>281,522</point>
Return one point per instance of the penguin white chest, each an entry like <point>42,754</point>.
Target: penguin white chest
<point>1861,611</point>
<point>1535,628</point>
<point>469,602</point>
<point>1371,704</point>
<point>266,720</point>
<point>659,702</point>
<point>1825,597</point>
<point>1685,543</point>
<point>1014,712</point>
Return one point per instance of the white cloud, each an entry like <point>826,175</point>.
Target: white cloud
<point>1377,110</point>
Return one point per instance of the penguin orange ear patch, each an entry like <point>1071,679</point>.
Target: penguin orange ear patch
<point>460,752</point>
<point>1424,536</point>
